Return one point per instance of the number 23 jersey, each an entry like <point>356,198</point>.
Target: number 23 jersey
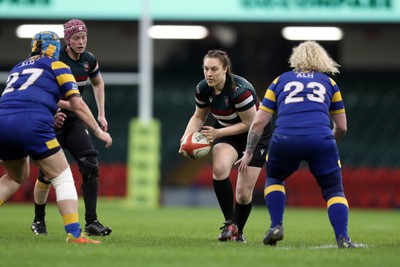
<point>304,102</point>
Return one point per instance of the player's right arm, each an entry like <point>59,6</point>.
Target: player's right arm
<point>196,122</point>
<point>68,86</point>
<point>83,112</point>
<point>256,130</point>
<point>63,104</point>
<point>339,125</point>
<point>199,117</point>
<point>337,112</point>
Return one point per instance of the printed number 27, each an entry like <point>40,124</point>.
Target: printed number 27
<point>34,74</point>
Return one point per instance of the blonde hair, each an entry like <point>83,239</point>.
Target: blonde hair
<point>311,56</point>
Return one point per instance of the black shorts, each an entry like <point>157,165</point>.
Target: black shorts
<point>238,142</point>
<point>75,138</point>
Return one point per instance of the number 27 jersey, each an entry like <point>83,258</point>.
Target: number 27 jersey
<point>304,102</point>
<point>36,85</point>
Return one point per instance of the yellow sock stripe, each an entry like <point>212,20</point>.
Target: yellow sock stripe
<point>275,187</point>
<point>42,185</point>
<point>335,200</point>
<point>70,218</point>
<point>1,202</point>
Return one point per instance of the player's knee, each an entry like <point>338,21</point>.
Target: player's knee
<point>88,164</point>
<point>42,180</point>
<point>220,170</point>
<point>19,176</point>
<point>331,185</point>
<point>65,186</point>
<point>42,185</point>
<point>244,195</point>
<point>19,179</point>
<point>273,181</point>
<point>89,169</point>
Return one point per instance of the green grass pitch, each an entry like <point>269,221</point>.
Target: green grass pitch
<point>188,237</point>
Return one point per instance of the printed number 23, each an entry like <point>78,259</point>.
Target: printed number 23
<point>295,88</point>
<point>34,74</point>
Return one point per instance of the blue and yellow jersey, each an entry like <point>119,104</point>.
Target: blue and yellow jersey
<point>36,85</point>
<point>304,102</point>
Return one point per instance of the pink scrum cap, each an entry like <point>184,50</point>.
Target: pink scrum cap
<point>73,26</point>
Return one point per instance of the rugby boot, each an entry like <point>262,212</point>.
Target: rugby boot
<point>273,235</point>
<point>344,243</point>
<point>239,238</point>
<point>82,239</point>
<point>39,228</point>
<point>228,231</point>
<point>97,229</point>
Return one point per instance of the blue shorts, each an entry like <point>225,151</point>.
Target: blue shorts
<point>286,153</point>
<point>27,134</point>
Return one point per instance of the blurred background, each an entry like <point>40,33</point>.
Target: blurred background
<point>252,32</point>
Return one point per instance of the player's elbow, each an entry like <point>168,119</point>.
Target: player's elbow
<point>76,103</point>
<point>342,129</point>
<point>340,124</point>
<point>339,132</point>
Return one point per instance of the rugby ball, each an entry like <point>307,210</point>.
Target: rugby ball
<point>195,145</point>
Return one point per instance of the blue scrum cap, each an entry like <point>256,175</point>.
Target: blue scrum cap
<point>46,43</point>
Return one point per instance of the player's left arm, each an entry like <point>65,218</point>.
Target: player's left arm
<point>261,119</point>
<point>246,110</point>
<point>99,94</point>
<point>234,129</point>
<point>247,116</point>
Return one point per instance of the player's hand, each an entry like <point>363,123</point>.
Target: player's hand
<point>244,161</point>
<point>180,151</point>
<point>180,147</point>
<point>104,136</point>
<point>103,123</point>
<point>59,119</point>
<point>210,132</point>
